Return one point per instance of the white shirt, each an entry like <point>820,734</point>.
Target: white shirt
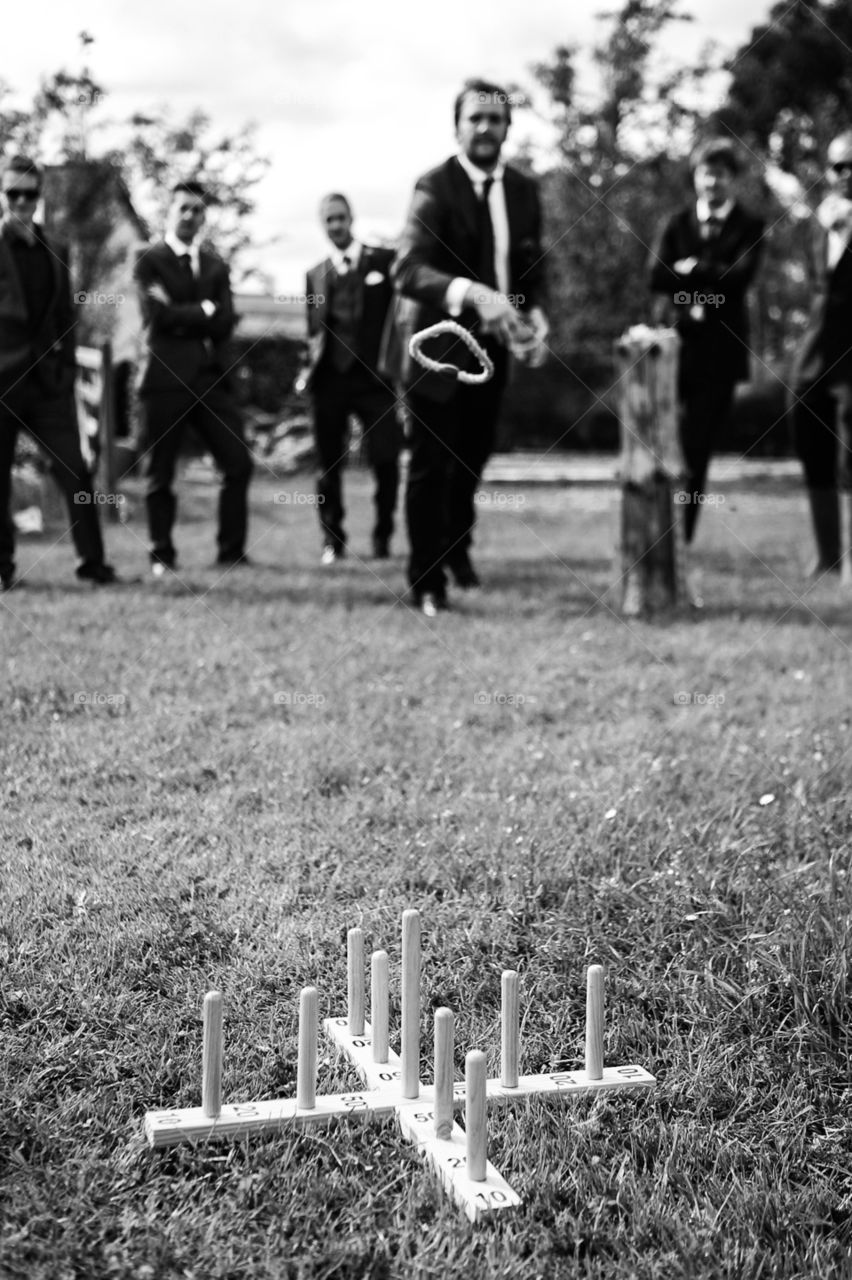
<point>181,249</point>
<point>835,214</point>
<point>193,249</point>
<point>454,297</point>
<point>352,252</point>
<point>704,213</point>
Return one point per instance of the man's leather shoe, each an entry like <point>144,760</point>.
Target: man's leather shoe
<point>234,562</point>
<point>430,605</point>
<point>101,575</point>
<point>8,581</point>
<point>462,570</point>
<point>381,548</point>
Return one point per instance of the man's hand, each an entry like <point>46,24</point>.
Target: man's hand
<point>497,314</point>
<point>684,266</point>
<point>533,351</point>
<point>158,293</point>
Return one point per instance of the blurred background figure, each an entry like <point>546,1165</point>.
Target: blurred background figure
<point>706,259</point>
<point>349,295</point>
<point>822,385</point>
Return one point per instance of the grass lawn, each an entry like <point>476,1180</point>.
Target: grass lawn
<point>205,783</point>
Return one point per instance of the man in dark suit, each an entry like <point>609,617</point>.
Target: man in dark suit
<point>37,371</point>
<point>705,261</point>
<point>470,251</point>
<point>822,382</point>
<point>349,294</point>
<point>185,295</point>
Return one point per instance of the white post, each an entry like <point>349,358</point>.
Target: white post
<point>379,1004</point>
<point>355,981</point>
<point>410,1053</point>
<point>211,1056</point>
<point>594,1021</point>
<point>509,1028</point>
<point>306,1071</point>
<point>474,1115</point>
<point>443,1073</point>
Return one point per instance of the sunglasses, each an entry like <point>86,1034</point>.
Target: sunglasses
<point>22,193</point>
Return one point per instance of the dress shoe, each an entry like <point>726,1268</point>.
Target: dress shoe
<point>8,581</point>
<point>234,562</point>
<point>381,548</point>
<point>462,570</point>
<point>101,575</point>
<point>331,554</point>
<point>430,604</point>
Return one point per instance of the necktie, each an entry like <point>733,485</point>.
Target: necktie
<point>486,272</point>
<point>712,227</point>
<point>345,265</point>
<point>186,263</point>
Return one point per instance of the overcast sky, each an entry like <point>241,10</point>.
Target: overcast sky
<point>348,94</point>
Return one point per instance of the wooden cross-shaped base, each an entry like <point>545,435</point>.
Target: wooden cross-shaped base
<point>424,1112</point>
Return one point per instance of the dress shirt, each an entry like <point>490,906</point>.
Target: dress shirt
<point>352,252</point>
<point>193,251</point>
<point>835,215</point>
<point>704,213</point>
<point>454,297</point>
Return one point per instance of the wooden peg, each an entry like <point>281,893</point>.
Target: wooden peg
<point>355,981</point>
<point>474,1115</point>
<point>510,1032</point>
<point>594,1021</point>
<point>443,1073</point>
<point>410,1052</point>
<point>306,1072</point>
<point>211,1056</point>
<point>379,1005</point>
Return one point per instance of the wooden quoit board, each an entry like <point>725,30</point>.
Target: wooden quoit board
<point>652,569</point>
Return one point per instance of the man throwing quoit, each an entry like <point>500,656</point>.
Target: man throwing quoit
<point>471,251</point>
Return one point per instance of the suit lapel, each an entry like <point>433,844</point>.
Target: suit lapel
<point>12,299</point>
<point>464,196</point>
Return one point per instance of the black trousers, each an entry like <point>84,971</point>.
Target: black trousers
<point>451,441</point>
<point>51,419</point>
<point>704,408</point>
<point>335,395</point>
<point>822,434</point>
<point>212,412</point>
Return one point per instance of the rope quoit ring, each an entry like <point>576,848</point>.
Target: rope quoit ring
<point>436,366</point>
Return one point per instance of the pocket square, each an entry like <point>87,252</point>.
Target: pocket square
<point>374,277</point>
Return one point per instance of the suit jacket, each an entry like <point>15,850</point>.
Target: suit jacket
<point>825,347</point>
<point>441,242</point>
<point>51,352</point>
<point>717,345</point>
<point>180,339</point>
<point>374,302</point>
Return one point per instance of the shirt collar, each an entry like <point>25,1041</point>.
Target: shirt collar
<point>478,176</point>
<point>15,231</point>
<point>703,211</point>
<point>352,252</point>
<point>181,250</point>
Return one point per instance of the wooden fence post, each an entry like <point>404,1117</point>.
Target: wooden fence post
<point>653,554</point>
